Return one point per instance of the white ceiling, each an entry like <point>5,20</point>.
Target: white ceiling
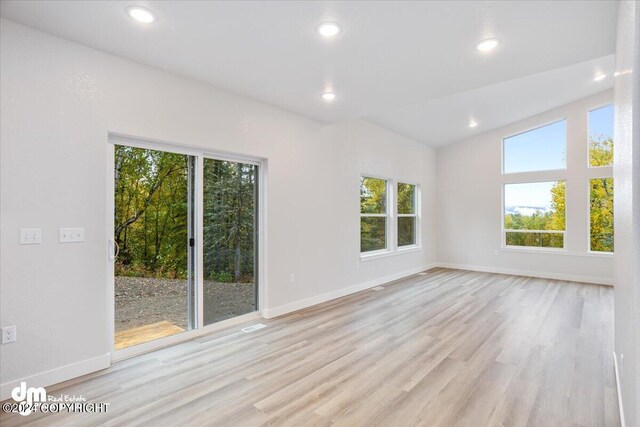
<point>408,66</point>
<point>441,121</point>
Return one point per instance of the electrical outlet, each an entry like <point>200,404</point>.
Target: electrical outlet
<point>8,334</point>
<point>71,235</point>
<point>292,278</point>
<point>30,236</point>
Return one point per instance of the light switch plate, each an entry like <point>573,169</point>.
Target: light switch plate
<point>71,235</point>
<point>8,334</point>
<point>30,236</point>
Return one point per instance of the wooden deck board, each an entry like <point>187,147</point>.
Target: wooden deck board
<point>146,333</point>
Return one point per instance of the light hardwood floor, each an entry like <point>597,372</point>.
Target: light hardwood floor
<point>442,348</point>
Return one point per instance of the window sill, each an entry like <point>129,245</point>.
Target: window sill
<point>556,252</point>
<point>600,254</point>
<point>400,251</point>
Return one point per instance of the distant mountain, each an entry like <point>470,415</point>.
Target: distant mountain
<point>526,210</point>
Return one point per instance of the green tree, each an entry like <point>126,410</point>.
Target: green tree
<point>151,212</point>
<point>229,220</point>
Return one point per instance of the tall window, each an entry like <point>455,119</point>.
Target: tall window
<point>534,214</point>
<point>540,149</point>
<point>373,214</point>
<point>601,188</point>
<point>407,214</point>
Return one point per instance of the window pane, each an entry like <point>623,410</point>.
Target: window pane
<point>406,198</point>
<point>372,234</point>
<point>534,206</point>
<point>406,230</point>
<point>229,239</point>
<point>601,137</point>
<point>601,215</point>
<point>539,149</point>
<point>373,195</point>
<point>153,207</point>
<point>542,240</point>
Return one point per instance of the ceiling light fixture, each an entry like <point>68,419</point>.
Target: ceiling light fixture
<point>473,124</point>
<point>329,29</point>
<point>328,96</point>
<point>487,45</point>
<point>141,14</point>
<point>599,77</point>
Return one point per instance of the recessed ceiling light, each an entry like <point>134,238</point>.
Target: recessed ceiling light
<point>487,45</point>
<point>473,124</point>
<point>599,77</point>
<point>329,29</point>
<point>328,96</point>
<point>141,14</point>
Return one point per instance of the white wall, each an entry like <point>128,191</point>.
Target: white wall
<point>627,209</point>
<point>59,101</point>
<point>469,199</point>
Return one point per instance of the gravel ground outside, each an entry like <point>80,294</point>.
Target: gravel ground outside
<point>142,300</point>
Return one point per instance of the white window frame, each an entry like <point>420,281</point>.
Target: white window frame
<point>510,230</point>
<point>387,215</point>
<point>581,172</point>
<point>200,329</point>
<point>566,146</point>
<point>391,224</point>
<point>596,172</point>
<point>415,214</point>
<point>532,177</point>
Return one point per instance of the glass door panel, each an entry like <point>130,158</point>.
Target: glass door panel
<point>229,239</point>
<point>153,228</point>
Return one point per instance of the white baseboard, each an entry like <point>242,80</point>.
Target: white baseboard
<point>619,389</point>
<point>58,375</point>
<point>269,313</point>
<point>540,274</point>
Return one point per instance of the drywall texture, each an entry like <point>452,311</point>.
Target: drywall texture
<point>469,196</point>
<point>627,208</point>
<point>60,100</point>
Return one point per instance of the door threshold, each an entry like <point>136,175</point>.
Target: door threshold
<point>171,340</point>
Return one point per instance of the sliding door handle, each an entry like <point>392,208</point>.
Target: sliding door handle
<point>114,249</point>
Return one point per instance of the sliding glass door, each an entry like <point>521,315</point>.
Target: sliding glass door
<point>160,199</point>
<point>230,237</point>
<point>153,229</point>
